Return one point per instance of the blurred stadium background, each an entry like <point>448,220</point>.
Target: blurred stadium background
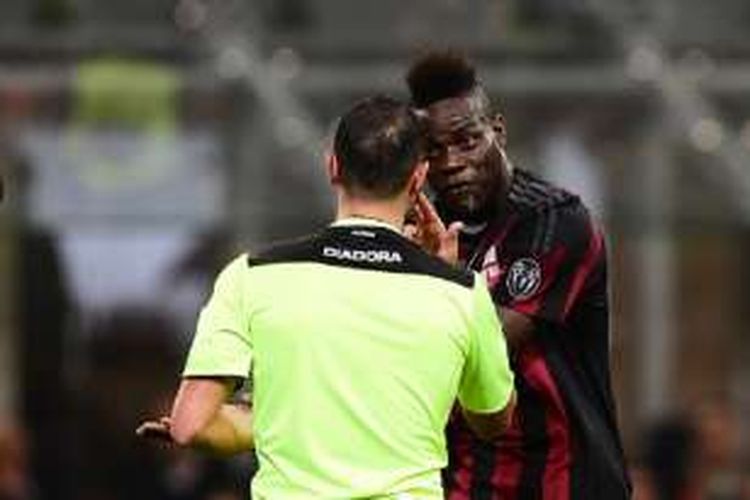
<point>143,142</point>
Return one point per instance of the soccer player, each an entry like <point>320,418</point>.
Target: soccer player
<point>359,341</point>
<point>545,262</point>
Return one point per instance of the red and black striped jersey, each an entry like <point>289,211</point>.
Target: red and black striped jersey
<point>546,258</point>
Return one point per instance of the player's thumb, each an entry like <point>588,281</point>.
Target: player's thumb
<point>453,231</point>
<point>449,243</point>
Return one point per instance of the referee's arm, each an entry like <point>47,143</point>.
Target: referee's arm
<point>202,419</point>
<point>486,393</point>
<point>490,426</point>
<point>220,356</point>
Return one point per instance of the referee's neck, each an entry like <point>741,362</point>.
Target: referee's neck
<point>389,212</point>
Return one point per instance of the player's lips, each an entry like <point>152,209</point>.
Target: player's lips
<point>459,188</point>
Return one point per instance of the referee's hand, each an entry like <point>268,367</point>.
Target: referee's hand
<point>156,430</point>
<point>427,230</point>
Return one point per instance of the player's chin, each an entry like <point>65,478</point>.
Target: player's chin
<point>465,208</point>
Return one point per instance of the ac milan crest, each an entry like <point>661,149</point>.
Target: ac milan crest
<point>523,278</point>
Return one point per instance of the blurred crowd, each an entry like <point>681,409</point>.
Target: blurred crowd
<point>698,455</point>
<point>82,443</point>
<point>87,380</point>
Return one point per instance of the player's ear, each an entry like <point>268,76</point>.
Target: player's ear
<point>333,168</point>
<point>497,122</point>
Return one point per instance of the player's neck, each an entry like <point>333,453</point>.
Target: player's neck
<point>391,212</point>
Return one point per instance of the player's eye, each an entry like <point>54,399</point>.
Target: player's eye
<point>434,151</point>
<point>468,143</point>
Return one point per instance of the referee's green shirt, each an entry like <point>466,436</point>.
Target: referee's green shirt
<point>358,344</point>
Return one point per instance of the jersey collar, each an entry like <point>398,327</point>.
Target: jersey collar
<point>365,221</point>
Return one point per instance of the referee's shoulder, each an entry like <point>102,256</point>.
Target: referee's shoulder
<point>430,265</point>
<point>362,248</point>
<point>286,250</point>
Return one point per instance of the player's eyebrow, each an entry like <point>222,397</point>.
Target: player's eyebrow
<point>466,127</point>
<point>461,123</point>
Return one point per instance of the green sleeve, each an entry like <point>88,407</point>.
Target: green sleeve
<point>487,381</point>
<point>221,346</point>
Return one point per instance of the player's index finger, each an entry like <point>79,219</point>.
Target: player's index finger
<point>429,212</point>
<point>419,210</point>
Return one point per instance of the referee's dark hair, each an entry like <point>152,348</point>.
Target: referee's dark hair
<point>378,144</point>
<point>442,75</point>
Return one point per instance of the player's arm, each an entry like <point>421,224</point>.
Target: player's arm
<point>486,391</point>
<point>518,327</point>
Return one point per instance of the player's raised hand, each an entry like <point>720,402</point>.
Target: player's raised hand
<point>427,230</point>
<point>156,430</point>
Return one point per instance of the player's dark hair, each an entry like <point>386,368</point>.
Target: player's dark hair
<point>441,75</point>
<point>378,143</point>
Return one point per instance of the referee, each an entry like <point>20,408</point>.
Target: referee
<point>359,342</point>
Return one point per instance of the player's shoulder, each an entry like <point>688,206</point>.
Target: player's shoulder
<point>531,193</point>
<point>555,214</point>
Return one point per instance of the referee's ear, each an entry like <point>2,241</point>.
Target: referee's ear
<point>418,179</point>
<point>333,168</point>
